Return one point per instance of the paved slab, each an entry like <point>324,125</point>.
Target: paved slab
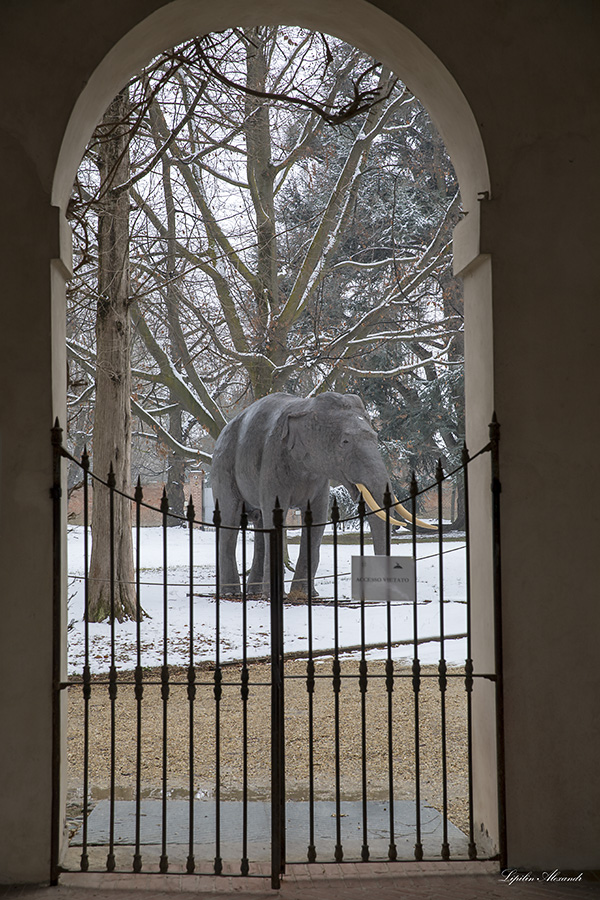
<point>259,828</point>
<point>408,880</point>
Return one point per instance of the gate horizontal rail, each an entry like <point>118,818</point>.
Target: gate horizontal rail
<point>351,686</point>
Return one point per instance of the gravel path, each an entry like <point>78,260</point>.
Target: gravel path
<point>296,726</point>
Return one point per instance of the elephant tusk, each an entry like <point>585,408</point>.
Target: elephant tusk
<point>376,509</point>
<point>408,516</point>
<point>397,505</point>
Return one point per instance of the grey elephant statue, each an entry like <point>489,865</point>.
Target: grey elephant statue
<point>289,449</point>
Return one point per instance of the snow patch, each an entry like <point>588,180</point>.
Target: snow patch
<point>296,617</point>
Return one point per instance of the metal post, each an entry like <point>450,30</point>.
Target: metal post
<point>337,686</point>
<point>496,490</point>
<point>442,668</point>
<point>164,690</point>
<point>56,496</point>
<point>362,683</point>
<point>469,660</point>
<point>416,679</point>
<point>244,691</point>
<point>277,722</point>
<point>112,675</point>
<point>218,693</point>
<point>310,687</point>
<point>389,682</point>
<point>191,691</point>
<point>87,683</point>
<point>139,680</point>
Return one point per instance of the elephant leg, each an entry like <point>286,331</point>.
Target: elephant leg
<point>228,571</point>
<point>254,581</point>
<point>299,586</point>
<point>265,576</point>
<point>377,527</point>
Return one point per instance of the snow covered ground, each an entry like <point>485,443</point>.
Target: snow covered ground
<point>258,613</point>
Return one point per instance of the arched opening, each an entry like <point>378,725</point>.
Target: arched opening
<point>375,32</point>
<point>392,43</point>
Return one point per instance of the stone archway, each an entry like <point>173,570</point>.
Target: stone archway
<point>365,26</point>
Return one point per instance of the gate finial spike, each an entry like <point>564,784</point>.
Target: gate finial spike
<point>56,433</point>
<point>191,512</point>
<point>308,516</point>
<point>362,507</point>
<point>85,459</point>
<point>138,491</point>
<point>335,511</point>
<point>164,501</point>
<point>439,471</point>
<point>277,514</point>
<point>414,487</point>
<point>111,479</point>
<point>387,496</point>
<point>494,429</point>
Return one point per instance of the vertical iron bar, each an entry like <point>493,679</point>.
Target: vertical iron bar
<point>191,690</point>
<point>218,677</point>
<point>57,637</point>
<point>416,678</point>
<point>442,669</point>
<point>337,684</point>
<point>112,678</point>
<point>362,683</point>
<point>469,660</point>
<point>244,867</point>
<point>387,502</point>
<point>497,563</point>
<point>139,680</point>
<point>310,687</point>
<point>280,570</point>
<point>389,680</point>
<point>277,721</point>
<point>164,677</point>
<point>87,685</point>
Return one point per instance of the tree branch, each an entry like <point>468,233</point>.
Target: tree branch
<point>199,404</point>
<point>361,102</point>
<point>166,438</point>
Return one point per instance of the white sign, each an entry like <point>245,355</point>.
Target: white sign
<point>383,578</point>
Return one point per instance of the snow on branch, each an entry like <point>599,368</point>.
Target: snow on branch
<point>202,406</point>
<point>404,335</point>
<point>81,398</point>
<point>168,439</point>
<point>399,370</point>
<point>377,264</point>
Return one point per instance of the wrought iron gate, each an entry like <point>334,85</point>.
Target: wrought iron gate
<point>196,756</point>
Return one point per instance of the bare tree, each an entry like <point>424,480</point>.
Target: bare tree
<point>279,238</point>
<point>251,291</point>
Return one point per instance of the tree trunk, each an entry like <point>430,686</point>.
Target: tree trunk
<point>176,465</point>
<point>175,472</point>
<point>112,423</point>
<point>261,180</point>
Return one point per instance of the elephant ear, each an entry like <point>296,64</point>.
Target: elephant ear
<point>295,433</point>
